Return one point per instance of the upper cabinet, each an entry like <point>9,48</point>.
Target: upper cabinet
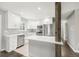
<point>13,20</point>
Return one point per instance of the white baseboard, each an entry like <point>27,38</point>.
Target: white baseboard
<point>76,51</point>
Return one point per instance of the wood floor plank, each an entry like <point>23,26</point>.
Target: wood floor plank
<point>10,54</point>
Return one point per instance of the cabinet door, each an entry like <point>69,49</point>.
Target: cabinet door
<point>12,43</point>
<point>13,20</point>
<point>41,49</point>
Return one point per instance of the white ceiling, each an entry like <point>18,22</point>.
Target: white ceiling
<point>30,10</point>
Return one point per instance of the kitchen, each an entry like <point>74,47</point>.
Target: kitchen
<point>28,25</point>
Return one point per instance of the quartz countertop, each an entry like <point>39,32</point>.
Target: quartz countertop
<point>49,39</point>
<point>13,33</point>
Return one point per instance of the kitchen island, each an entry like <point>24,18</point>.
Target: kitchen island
<point>42,46</point>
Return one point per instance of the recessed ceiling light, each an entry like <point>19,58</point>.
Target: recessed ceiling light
<point>39,8</point>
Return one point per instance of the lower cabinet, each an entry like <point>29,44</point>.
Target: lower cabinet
<point>11,43</point>
<point>41,49</point>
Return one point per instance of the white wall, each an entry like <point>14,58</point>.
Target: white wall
<point>0,29</point>
<point>72,32</point>
<point>68,6</point>
<point>63,29</point>
<point>73,24</point>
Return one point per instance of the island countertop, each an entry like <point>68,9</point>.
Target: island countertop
<point>13,33</point>
<point>50,39</point>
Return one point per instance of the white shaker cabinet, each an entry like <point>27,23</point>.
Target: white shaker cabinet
<point>11,43</point>
<point>13,20</point>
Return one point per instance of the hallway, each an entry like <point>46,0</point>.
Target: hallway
<point>68,52</point>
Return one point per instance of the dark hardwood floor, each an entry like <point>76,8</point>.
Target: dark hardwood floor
<point>65,49</point>
<point>10,54</point>
<point>68,52</point>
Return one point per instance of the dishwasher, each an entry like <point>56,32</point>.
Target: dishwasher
<point>20,40</point>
